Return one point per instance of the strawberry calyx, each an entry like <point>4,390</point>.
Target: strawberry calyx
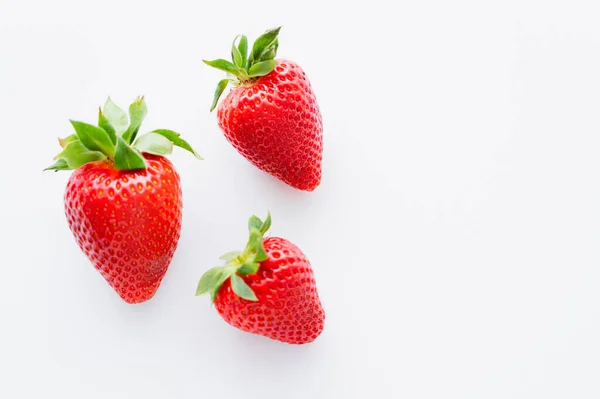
<point>238,264</point>
<point>116,140</point>
<point>246,66</point>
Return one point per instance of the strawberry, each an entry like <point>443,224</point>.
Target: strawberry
<point>123,201</point>
<point>267,289</point>
<point>271,116</point>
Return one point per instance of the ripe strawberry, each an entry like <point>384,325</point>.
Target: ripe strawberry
<point>123,202</point>
<point>268,289</point>
<point>271,116</point>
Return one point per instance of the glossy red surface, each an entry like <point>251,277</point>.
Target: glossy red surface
<point>126,222</point>
<point>276,124</point>
<point>288,307</point>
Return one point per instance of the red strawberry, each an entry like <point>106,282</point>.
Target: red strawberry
<point>271,116</point>
<point>123,202</point>
<point>268,289</point>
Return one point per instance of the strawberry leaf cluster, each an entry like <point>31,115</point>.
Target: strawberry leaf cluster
<point>246,66</point>
<point>116,140</point>
<point>238,264</point>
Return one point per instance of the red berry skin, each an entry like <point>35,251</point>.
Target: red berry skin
<point>126,222</point>
<point>288,307</point>
<point>276,124</point>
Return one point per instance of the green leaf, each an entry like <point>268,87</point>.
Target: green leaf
<point>270,52</point>
<point>266,225</point>
<point>137,114</point>
<point>254,223</point>
<point>154,143</point>
<point>63,142</point>
<point>223,65</point>
<point>268,55</point>
<point>61,164</point>
<point>218,283</point>
<point>212,280</point>
<point>127,158</point>
<point>76,154</point>
<point>255,249</point>
<point>239,286</point>
<point>208,280</point>
<point>236,56</point>
<point>275,46</point>
<point>108,128</point>
<point>94,138</point>
<point>248,268</point>
<point>261,255</point>
<point>230,256</point>
<point>262,68</point>
<point>243,49</point>
<point>175,138</point>
<point>220,88</point>
<point>263,42</point>
<point>115,116</point>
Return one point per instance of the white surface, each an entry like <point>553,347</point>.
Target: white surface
<point>454,237</point>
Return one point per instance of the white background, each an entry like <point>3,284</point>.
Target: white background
<point>454,236</point>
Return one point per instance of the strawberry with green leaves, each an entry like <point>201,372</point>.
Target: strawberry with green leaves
<point>271,116</point>
<point>267,289</point>
<point>123,201</point>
